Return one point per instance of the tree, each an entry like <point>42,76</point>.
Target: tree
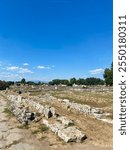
<point>3,85</point>
<point>10,83</point>
<point>30,83</point>
<point>73,81</point>
<point>23,81</point>
<point>58,81</point>
<point>81,81</point>
<point>94,81</point>
<point>108,75</point>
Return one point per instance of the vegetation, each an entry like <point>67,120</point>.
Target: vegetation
<point>94,99</point>
<point>8,112</point>
<point>58,81</point>
<point>108,76</point>
<point>3,85</point>
<point>80,81</point>
<point>23,81</point>
<point>41,128</point>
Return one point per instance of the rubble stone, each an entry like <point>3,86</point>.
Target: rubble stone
<point>68,134</point>
<point>71,134</point>
<point>65,120</point>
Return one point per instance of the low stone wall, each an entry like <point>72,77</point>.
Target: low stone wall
<point>97,113</point>
<point>22,113</point>
<point>65,132</point>
<point>46,110</point>
<point>62,126</point>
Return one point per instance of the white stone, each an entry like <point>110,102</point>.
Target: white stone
<point>56,127</point>
<point>71,134</point>
<point>65,121</point>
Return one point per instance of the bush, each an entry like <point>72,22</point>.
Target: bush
<point>3,85</point>
<point>108,75</point>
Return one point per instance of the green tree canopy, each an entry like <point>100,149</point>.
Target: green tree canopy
<point>3,85</point>
<point>73,81</point>
<point>23,81</point>
<point>108,75</point>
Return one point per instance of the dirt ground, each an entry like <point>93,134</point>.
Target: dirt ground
<point>99,133</point>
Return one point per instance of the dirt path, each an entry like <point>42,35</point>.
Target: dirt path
<point>13,138</point>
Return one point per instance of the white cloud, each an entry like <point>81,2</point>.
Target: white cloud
<point>0,63</point>
<point>12,68</point>
<point>9,76</point>
<point>97,71</point>
<point>24,70</point>
<point>43,67</point>
<point>19,69</point>
<point>25,64</point>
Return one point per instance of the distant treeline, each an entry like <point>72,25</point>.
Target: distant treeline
<point>108,80</point>
<point>80,81</point>
<point>4,84</point>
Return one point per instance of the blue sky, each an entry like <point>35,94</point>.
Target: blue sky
<point>48,39</point>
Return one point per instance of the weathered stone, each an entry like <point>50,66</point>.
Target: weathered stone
<point>68,134</point>
<point>47,112</point>
<point>23,114</point>
<point>54,113</point>
<point>85,109</point>
<point>56,127</point>
<point>22,146</point>
<point>41,109</point>
<point>45,122</point>
<point>97,111</point>
<point>13,137</point>
<point>2,144</point>
<point>65,121</point>
<point>71,134</point>
<point>3,127</point>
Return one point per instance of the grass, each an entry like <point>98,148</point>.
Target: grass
<point>23,127</point>
<point>35,131</point>
<point>8,112</point>
<point>14,143</point>
<point>90,98</point>
<point>41,128</point>
<point>36,93</point>
<point>42,138</point>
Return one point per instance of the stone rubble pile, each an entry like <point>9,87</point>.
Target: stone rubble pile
<point>67,133</point>
<point>46,110</point>
<point>65,121</point>
<point>62,126</point>
<point>22,113</point>
<point>98,113</point>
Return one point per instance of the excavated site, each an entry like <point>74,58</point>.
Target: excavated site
<point>56,118</point>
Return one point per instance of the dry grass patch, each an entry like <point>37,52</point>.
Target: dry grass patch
<point>8,112</point>
<point>95,99</point>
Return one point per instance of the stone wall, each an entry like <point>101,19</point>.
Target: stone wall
<point>63,127</point>
<point>97,113</point>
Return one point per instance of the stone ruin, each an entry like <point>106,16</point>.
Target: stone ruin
<point>63,127</point>
<point>97,113</point>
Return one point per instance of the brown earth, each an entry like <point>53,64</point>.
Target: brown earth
<point>99,134</point>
